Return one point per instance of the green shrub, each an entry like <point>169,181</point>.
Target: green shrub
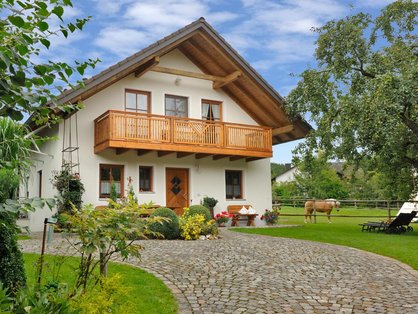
<point>199,210</point>
<point>169,229</point>
<point>70,189</point>
<point>9,182</point>
<point>192,226</point>
<point>12,272</point>
<point>209,202</point>
<point>210,228</point>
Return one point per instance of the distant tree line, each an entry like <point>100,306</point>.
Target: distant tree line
<point>318,178</point>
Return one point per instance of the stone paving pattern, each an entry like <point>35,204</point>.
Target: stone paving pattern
<point>243,273</point>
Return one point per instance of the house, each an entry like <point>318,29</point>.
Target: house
<point>289,174</point>
<point>184,118</point>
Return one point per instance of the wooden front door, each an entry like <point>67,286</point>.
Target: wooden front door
<point>177,189</point>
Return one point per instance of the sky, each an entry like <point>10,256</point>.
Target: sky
<point>274,36</point>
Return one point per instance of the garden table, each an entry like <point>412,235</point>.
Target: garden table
<point>250,219</point>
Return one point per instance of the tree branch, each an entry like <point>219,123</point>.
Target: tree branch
<point>409,123</point>
<point>361,68</point>
<point>364,72</point>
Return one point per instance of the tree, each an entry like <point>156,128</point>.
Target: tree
<point>362,96</point>
<point>27,86</point>
<point>316,179</point>
<point>277,169</point>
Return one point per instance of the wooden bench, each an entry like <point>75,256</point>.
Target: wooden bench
<point>236,215</point>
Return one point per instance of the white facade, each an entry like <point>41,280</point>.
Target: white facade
<point>287,176</point>
<point>206,176</point>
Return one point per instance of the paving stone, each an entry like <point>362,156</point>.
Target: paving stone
<point>243,273</point>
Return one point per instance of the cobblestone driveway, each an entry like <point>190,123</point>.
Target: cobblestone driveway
<point>244,273</point>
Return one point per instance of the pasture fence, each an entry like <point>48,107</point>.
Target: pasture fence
<point>391,207</point>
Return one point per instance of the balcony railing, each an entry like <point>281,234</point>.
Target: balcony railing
<point>120,129</point>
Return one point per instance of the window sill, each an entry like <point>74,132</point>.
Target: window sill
<point>235,199</point>
<point>146,192</point>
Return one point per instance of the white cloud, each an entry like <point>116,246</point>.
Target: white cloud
<point>372,3</point>
<point>165,17</point>
<point>280,31</point>
<point>121,41</point>
<point>110,7</point>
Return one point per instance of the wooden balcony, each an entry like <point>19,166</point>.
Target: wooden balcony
<point>144,132</point>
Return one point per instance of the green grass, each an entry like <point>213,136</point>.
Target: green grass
<point>146,293</point>
<point>23,237</point>
<point>347,232</point>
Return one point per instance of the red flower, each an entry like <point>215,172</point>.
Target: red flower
<point>262,217</point>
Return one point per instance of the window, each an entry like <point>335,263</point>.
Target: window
<point>40,183</point>
<point>233,183</point>
<point>111,174</point>
<point>138,101</point>
<point>211,110</point>
<point>145,179</point>
<point>176,106</point>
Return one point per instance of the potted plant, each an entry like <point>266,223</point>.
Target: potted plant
<point>271,217</point>
<point>222,218</point>
<point>210,203</point>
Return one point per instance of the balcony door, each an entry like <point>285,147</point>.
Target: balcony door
<point>177,189</point>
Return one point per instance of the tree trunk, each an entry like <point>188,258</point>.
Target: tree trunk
<point>103,265</point>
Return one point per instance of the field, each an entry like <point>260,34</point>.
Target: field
<point>145,293</point>
<point>346,231</point>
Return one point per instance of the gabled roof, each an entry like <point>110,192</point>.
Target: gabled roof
<point>200,43</point>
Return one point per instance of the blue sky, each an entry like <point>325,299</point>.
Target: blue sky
<point>274,36</point>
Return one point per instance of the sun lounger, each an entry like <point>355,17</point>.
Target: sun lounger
<point>399,225</point>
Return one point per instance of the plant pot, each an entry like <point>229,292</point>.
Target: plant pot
<point>222,224</point>
<point>211,212</point>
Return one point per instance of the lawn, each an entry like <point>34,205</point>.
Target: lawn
<point>346,231</point>
<point>146,293</point>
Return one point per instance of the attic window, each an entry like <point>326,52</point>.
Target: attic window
<point>137,100</point>
<point>176,106</point>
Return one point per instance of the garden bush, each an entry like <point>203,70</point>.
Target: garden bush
<point>12,272</point>
<point>198,210</point>
<point>192,226</point>
<point>70,189</point>
<point>169,229</point>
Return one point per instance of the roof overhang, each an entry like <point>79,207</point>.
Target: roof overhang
<point>215,57</point>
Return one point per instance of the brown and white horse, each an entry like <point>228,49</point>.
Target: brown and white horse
<point>322,206</point>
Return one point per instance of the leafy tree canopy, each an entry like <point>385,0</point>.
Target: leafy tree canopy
<point>363,94</point>
<point>277,169</point>
<point>27,86</point>
<point>316,179</point>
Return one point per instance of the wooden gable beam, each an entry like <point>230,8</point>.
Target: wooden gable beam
<point>282,130</point>
<point>218,81</point>
<point>142,69</point>
<point>227,79</point>
<point>201,76</point>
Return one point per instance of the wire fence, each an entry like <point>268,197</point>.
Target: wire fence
<point>390,206</point>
